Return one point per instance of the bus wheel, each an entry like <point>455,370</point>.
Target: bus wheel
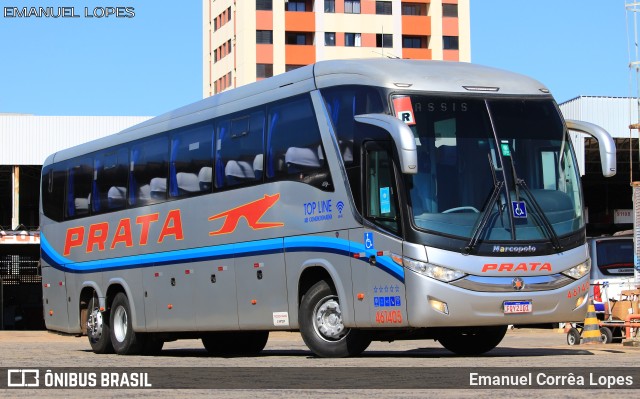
<point>322,328</point>
<point>472,340</point>
<point>235,342</point>
<point>124,340</point>
<point>98,329</point>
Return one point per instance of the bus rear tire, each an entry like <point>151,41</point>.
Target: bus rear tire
<point>322,328</point>
<point>98,328</point>
<point>225,343</point>
<point>472,340</point>
<point>124,340</point>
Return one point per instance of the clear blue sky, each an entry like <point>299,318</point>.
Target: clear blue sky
<point>152,63</point>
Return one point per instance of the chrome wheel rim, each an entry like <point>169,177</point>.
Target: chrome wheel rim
<point>327,319</point>
<point>95,324</point>
<point>120,323</point>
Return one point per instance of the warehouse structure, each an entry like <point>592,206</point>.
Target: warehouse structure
<point>25,142</point>
<point>608,200</point>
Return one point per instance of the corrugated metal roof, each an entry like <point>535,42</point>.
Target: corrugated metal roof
<point>29,139</point>
<point>614,114</point>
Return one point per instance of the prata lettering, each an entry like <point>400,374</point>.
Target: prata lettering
<point>517,267</point>
<point>98,234</point>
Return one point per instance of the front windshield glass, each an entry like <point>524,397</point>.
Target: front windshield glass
<point>497,169</point>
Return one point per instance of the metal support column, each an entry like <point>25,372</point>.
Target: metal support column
<point>15,207</point>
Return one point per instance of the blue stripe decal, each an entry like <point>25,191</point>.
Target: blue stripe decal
<point>225,251</point>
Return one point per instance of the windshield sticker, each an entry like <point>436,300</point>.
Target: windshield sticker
<point>506,152</point>
<point>385,201</point>
<point>404,110</point>
<point>519,209</point>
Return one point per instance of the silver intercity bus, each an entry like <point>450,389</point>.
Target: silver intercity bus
<point>352,201</point>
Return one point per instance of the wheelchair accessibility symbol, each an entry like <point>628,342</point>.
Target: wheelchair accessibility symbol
<point>519,209</point>
<point>368,240</point>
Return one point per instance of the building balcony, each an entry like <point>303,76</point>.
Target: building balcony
<point>417,25</point>
<point>299,54</point>
<point>417,53</point>
<point>299,21</point>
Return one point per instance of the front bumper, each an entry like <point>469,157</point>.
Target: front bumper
<point>477,308</point>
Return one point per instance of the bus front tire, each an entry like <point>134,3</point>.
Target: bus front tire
<point>322,328</point>
<point>98,328</point>
<point>472,340</point>
<point>225,343</point>
<point>124,340</point>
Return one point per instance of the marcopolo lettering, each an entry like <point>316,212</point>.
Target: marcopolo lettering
<point>517,249</point>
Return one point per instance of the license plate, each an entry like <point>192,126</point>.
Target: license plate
<point>511,307</point>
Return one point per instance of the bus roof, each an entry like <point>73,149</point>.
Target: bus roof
<point>400,74</point>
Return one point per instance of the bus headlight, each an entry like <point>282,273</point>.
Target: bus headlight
<point>579,271</point>
<point>434,271</point>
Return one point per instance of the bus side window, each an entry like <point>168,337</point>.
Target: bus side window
<point>109,191</point>
<point>294,146</point>
<point>239,149</point>
<point>148,172</point>
<point>191,160</point>
<point>79,181</point>
<point>343,103</point>
<point>53,184</point>
<point>381,205</point>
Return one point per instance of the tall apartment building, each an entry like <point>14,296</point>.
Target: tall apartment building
<point>249,40</point>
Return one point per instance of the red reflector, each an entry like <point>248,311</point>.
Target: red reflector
<point>356,255</point>
<point>60,283</point>
<point>220,268</point>
<point>187,271</point>
<point>156,274</point>
<point>253,301</point>
<point>256,265</point>
<point>380,253</point>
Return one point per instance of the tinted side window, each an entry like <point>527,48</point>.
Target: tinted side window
<point>79,181</point>
<point>191,161</point>
<point>343,103</point>
<point>294,145</point>
<point>109,190</point>
<point>239,149</point>
<point>148,171</point>
<point>53,183</point>
<point>381,205</point>
<point>615,257</point>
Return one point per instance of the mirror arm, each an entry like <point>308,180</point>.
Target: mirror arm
<point>606,144</point>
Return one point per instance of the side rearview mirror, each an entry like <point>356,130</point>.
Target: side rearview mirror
<point>605,144</point>
<point>402,137</point>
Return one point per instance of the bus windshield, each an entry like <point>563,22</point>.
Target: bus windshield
<point>492,169</point>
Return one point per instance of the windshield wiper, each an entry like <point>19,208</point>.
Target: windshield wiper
<point>488,205</point>
<point>546,224</point>
<point>555,241</point>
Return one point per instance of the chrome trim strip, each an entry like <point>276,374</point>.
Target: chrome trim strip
<point>504,284</point>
